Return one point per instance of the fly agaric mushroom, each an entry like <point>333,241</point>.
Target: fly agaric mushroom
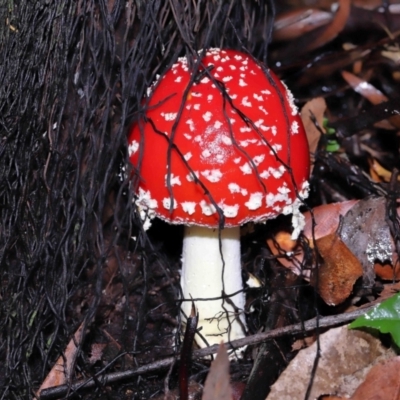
<point>216,149</point>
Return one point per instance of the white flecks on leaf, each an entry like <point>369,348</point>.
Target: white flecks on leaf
<point>274,130</point>
<point>242,82</point>
<point>187,136</point>
<point>196,94</point>
<point>205,80</point>
<point>196,106</point>
<point>189,207</point>
<point>178,79</point>
<point>237,160</point>
<point>227,78</point>
<point>255,201</point>
<point>188,156</point>
<point>258,97</point>
<point>212,175</point>
<point>197,139</point>
<point>265,91</point>
<point>232,67</point>
<point>209,97</point>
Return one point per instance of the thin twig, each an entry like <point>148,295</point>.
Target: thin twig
<point>310,325</point>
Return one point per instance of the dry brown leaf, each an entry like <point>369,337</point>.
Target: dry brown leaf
<point>334,28</point>
<point>346,358</point>
<point>338,272</point>
<point>381,383</point>
<point>315,107</point>
<point>303,343</point>
<point>96,352</point>
<point>62,369</point>
<point>364,231</point>
<point>389,289</point>
<point>370,92</point>
<point>367,235</point>
<point>289,252</point>
<point>292,24</point>
<point>326,218</point>
<point>387,271</point>
<point>217,385</point>
<point>383,173</point>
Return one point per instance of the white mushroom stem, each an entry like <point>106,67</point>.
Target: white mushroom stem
<point>202,269</point>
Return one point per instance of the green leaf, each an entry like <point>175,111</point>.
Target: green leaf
<point>332,146</point>
<point>385,318</point>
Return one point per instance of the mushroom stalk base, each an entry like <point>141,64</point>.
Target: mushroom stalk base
<point>204,276</point>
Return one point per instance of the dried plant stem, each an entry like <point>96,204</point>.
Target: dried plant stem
<point>307,326</point>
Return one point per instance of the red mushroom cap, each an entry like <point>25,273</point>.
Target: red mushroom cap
<point>250,152</point>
